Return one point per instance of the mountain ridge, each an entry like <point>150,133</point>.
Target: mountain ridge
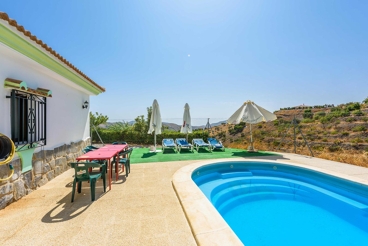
<point>170,126</point>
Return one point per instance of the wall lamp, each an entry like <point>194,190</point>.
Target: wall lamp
<point>85,104</point>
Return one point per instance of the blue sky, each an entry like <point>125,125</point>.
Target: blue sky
<point>213,55</point>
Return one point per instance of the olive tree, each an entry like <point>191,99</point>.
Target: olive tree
<point>95,120</point>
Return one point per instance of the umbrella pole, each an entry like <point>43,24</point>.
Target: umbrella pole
<point>155,142</point>
<point>250,148</point>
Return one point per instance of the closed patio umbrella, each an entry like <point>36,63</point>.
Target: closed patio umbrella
<point>155,122</point>
<point>186,127</point>
<point>251,113</point>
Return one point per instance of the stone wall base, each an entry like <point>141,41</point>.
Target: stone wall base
<point>46,165</point>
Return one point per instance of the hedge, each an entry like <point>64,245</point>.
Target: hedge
<point>134,137</point>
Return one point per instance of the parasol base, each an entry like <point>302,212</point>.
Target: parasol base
<point>251,149</point>
<point>154,150</point>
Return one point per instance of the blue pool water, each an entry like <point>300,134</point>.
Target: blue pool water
<point>278,204</point>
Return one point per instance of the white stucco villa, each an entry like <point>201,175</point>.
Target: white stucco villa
<point>43,109</point>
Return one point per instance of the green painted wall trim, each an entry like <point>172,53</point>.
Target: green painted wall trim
<point>26,156</point>
<point>19,44</point>
<point>22,86</point>
<point>16,84</point>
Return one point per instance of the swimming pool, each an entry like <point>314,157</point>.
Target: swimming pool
<point>269,203</point>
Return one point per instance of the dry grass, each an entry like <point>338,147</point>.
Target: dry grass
<point>351,157</point>
<point>336,140</point>
<point>358,158</point>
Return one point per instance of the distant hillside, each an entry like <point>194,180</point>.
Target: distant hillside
<point>175,127</point>
<point>338,133</point>
<point>170,126</point>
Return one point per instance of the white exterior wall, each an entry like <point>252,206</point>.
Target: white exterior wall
<point>66,120</point>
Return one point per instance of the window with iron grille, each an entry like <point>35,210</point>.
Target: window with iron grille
<point>28,119</point>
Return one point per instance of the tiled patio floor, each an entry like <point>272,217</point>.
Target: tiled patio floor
<point>140,210</point>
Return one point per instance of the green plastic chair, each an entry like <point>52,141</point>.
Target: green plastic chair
<point>126,160</point>
<point>89,148</point>
<point>83,173</point>
<point>123,142</point>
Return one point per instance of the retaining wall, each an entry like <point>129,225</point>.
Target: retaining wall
<point>46,165</point>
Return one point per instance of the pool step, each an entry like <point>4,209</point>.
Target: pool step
<point>225,195</point>
<point>278,187</point>
<point>236,174</point>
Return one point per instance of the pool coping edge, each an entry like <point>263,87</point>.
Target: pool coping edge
<point>207,225</point>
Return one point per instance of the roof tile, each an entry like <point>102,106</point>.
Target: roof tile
<point>4,16</point>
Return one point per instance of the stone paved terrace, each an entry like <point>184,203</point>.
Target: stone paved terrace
<point>140,210</point>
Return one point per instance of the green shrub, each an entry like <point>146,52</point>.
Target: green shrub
<point>309,133</point>
<point>318,147</point>
<point>338,112</point>
<point>357,140</point>
<point>311,138</point>
<point>365,101</point>
<point>221,135</point>
<point>334,148</point>
<point>308,114</point>
<point>353,106</point>
<point>307,120</point>
<point>350,119</point>
<point>237,128</point>
<point>345,134</point>
<point>117,126</point>
<point>344,114</point>
<point>334,132</point>
<point>297,121</point>
<point>324,120</point>
<point>334,109</point>
<point>327,119</point>
<point>359,129</point>
<point>320,113</point>
<point>263,133</point>
<point>276,143</point>
<point>337,142</point>
<point>358,112</point>
<point>324,140</point>
<point>134,137</point>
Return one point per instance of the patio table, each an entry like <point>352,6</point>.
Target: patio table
<point>120,148</point>
<point>105,153</point>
